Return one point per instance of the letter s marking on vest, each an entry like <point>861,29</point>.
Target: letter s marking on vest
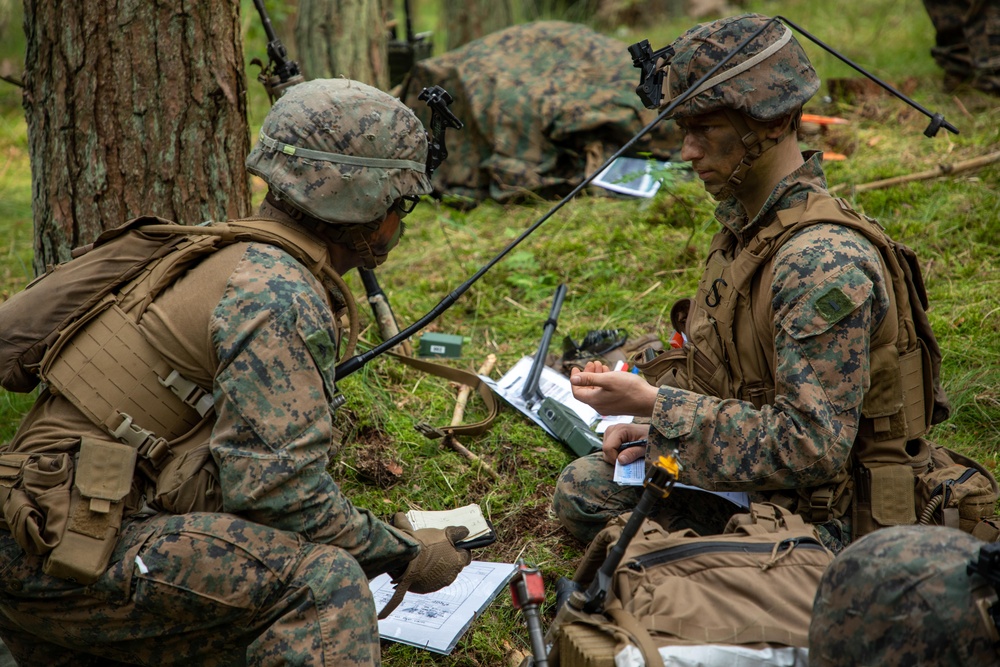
<point>713,298</point>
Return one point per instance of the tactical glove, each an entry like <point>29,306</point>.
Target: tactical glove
<point>435,566</point>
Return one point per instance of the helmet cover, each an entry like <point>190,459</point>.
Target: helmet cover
<point>767,79</point>
<point>902,596</point>
<point>341,151</point>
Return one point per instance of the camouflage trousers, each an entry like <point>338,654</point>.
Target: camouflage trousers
<point>587,497</point>
<point>193,589</point>
<point>967,42</point>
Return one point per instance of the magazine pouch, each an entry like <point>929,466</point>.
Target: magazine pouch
<point>103,480</point>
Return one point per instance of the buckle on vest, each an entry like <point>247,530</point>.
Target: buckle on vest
<point>147,444</point>
<point>820,505</point>
<point>189,393</point>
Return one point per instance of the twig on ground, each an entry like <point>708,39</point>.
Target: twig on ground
<point>456,419</point>
<point>940,170</point>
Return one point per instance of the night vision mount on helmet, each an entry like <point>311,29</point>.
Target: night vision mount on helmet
<point>655,66</point>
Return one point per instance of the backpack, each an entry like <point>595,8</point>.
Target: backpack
<point>72,292</point>
<point>75,328</point>
<point>746,594</point>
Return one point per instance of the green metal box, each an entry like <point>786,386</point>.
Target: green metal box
<point>440,345</point>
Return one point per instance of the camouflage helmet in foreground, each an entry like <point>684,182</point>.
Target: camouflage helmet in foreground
<point>341,151</point>
<point>767,79</point>
<point>902,596</point>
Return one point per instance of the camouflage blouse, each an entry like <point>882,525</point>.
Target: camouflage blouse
<point>804,437</point>
<point>272,335</point>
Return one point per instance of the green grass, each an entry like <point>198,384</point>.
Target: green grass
<point>624,263</point>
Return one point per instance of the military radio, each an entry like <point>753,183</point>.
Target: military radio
<point>568,427</point>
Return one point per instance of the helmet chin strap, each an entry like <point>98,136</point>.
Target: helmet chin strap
<point>752,142</point>
<point>359,243</point>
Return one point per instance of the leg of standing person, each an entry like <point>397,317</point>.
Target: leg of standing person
<point>951,50</point>
<point>982,32</point>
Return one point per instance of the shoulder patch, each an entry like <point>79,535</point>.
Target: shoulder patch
<point>833,304</point>
<point>840,294</point>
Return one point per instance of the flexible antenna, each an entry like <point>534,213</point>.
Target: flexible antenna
<point>937,119</point>
<point>355,363</point>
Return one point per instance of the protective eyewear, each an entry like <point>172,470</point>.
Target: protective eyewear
<point>406,204</point>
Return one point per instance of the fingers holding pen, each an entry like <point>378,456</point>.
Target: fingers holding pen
<point>631,451</point>
<point>624,442</point>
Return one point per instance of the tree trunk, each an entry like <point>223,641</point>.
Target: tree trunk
<point>132,108</point>
<point>468,20</point>
<point>337,38</point>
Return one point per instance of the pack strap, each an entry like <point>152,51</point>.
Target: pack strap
<point>639,634</point>
<point>461,377</point>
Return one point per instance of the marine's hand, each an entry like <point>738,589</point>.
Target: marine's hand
<point>613,392</point>
<point>620,433</point>
<point>435,566</point>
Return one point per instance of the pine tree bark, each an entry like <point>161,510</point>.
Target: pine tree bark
<point>468,20</point>
<point>132,108</point>
<point>347,38</point>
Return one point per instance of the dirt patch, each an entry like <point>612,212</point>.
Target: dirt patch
<point>375,460</point>
<point>530,522</point>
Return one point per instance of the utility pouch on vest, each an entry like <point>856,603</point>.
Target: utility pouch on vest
<point>35,496</point>
<point>103,479</point>
<point>900,400</point>
<point>956,492</point>
<point>884,492</point>
<point>667,368</point>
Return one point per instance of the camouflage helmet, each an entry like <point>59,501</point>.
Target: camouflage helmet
<point>902,596</point>
<point>341,151</point>
<point>767,79</point>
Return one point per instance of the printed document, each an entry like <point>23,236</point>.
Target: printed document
<point>436,621</point>
<point>634,473</point>
<point>551,384</point>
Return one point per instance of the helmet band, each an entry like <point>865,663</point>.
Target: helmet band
<point>745,65</point>
<point>339,158</point>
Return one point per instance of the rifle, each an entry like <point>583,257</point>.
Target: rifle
<point>379,302</point>
<point>404,53</point>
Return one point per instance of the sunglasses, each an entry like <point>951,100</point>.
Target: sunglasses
<point>406,204</point>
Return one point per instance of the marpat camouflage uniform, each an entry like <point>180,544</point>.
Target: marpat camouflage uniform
<point>279,574</point>
<point>804,437</point>
<point>967,36</point>
<point>289,556</point>
<point>902,596</point>
<point>543,103</point>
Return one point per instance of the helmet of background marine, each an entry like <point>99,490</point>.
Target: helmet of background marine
<point>341,151</point>
<point>768,79</point>
<point>902,596</point>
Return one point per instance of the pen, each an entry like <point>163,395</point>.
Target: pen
<point>631,443</point>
